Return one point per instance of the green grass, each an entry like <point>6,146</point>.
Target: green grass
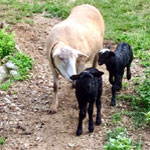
<point>24,64</point>
<point>2,140</point>
<point>30,22</point>
<point>147,117</point>
<point>141,104</point>
<point>7,44</point>
<point>126,97</point>
<point>9,53</point>
<point>125,84</point>
<point>118,139</point>
<point>116,118</point>
<point>140,100</point>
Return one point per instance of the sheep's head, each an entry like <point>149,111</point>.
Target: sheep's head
<point>65,60</point>
<point>105,56</point>
<point>86,78</point>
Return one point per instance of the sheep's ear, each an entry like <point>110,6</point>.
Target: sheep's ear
<point>74,77</point>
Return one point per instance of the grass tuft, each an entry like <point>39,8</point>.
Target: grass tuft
<point>118,139</point>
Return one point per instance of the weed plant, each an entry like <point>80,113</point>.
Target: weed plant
<point>118,139</point>
<point>9,53</point>
<point>7,44</point>
<point>23,62</point>
<point>2,140</point>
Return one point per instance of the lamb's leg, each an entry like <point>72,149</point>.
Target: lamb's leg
<point>114,88</point>
<point>90,112</point>
<point>128,72</point>
<point>111,78</point>
<point>82,115</point>
<point>98,106</point>
<point>119,86</point>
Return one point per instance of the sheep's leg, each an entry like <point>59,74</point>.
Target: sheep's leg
<point>114,88</point>
<point>128,72</point>
<point>82,115</point>
<point>80,67</point>
<point>95,61</point>
<point>90,112</point>
<point>98,106</point>
<point>54,105</point>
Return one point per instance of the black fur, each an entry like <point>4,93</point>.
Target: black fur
<point>115,63</point>
<point>88,90</point>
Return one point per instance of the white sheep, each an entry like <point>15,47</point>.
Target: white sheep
<point>73,42</point>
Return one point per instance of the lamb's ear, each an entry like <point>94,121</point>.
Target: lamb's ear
<point>74,77</point>
<point>97,73</point>
<point>111,54</point>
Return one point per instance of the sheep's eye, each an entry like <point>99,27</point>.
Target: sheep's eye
<point>61,58</point>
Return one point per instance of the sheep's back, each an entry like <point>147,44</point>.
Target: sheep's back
<point>83,30</point>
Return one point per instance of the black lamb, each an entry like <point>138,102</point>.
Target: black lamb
<point>115,63</point>
<point>88,89</point>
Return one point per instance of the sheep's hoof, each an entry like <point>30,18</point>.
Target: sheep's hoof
<point>52,110</point>
<point>78,132</point>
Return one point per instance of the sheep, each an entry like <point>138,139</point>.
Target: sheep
<point>73,42</point>
<point>88,89</point>
<point>115,63</point>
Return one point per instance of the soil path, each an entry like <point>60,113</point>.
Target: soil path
<point>24,117</point>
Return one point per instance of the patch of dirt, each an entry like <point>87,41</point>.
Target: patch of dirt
<point>23,108</point>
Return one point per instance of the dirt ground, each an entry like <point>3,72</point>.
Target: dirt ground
<point>23,108</point>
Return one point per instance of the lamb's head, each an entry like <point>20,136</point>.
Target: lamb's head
<point>105,56</point>
<point>65,59</point>
<point>86,79</point>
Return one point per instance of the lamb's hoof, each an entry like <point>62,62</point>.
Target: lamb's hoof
<point>119,88</point>
<point>113,104</point>
<point>98,122</point>
<point>78,132</point>
<point>128,76</point>
<point>91,129</point>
